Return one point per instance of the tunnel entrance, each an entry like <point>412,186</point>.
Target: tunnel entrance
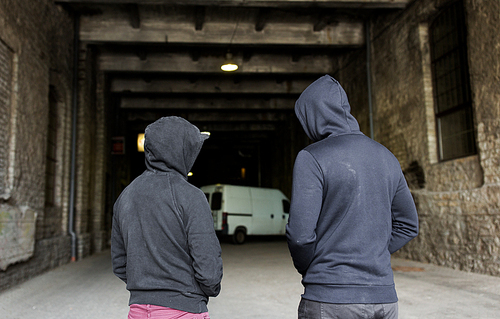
<point>239,155</point>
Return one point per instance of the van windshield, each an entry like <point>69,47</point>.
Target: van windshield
<point>216,201</point>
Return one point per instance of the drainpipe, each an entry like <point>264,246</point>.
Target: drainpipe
<point>369,75</point>
<point>71,218</point>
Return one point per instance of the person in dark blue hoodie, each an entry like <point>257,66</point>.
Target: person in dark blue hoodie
<point>163,243</point>
<point>350,210</point>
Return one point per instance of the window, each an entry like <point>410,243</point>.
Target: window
<point>286,206</point>
<point>450,73</point>
<point>216,200</point>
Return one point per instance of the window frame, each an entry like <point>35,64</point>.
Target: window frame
<point>444,51</point>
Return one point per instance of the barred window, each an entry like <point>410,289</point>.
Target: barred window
<point>450,72</point>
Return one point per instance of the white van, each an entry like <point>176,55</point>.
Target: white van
<point>239,211</point>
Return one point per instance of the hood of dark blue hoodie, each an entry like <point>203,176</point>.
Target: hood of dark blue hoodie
<point>323,110</point>
<point>172,144</point>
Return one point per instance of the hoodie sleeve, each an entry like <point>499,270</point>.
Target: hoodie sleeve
<point>118,251</point>
<point>204,247</point>
<point>404,217</point>
<point>307,198</point>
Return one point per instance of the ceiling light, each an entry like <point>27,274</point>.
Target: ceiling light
<point>140,142</point>
<point>229,65</point>
<point>205,133</point>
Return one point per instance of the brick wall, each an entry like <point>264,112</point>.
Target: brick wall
<point>99,231</point>
<point>352,75</point>
<point>40,52</point>
<point>49,253</point>
<point>91,157</point>
<point>458,200</point>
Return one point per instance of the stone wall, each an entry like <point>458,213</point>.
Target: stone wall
<point>100,226</point>
<point>85,164</point>
<point>352,75</point>
<point>458,200</point>
<point>49,253</point>
<point>38,49</point>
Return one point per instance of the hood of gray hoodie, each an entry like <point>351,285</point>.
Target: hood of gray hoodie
<point>323,110</point>
<point>172,144</point>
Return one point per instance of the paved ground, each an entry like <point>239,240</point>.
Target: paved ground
<point>259,282</point>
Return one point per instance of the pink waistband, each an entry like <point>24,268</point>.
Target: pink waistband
<point>159,312</point>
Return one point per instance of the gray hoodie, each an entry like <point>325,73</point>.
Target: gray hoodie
<point>351,207</point>
<point>163,243</point>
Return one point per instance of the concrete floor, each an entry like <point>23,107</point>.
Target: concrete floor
<point>259,282</point>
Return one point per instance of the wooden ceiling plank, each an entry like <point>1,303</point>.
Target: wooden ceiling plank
<point>343,33</point>
<point>128,102</point>
<point>370,4</point>
<point>245,86</point>
<point>234,127</point>
<point>236,117</point>
<point>183,63</point>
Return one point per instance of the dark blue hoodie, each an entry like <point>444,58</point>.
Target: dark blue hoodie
<point>351,207</point>
<point>163,243</point>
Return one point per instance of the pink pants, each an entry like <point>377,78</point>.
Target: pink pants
<point>159,312</point>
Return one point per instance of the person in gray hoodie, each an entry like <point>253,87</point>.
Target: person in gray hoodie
<point>163,243</point>
<point>350,210</point>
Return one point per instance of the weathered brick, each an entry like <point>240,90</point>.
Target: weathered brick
<point>459,205</point>
<point>35,53</point>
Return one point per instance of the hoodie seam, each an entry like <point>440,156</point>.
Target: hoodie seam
<point>355,132</point>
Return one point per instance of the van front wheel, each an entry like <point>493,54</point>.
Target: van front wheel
<point>239,236</point>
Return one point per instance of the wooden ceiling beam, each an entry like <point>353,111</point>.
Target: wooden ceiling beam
<point>236,117</point>
<point>356,4</point>
<point>234,127</point>
<point>215,86</point>
<point>183,63</point>
<point>130,102</point>
<point>323,22</point>
<point>228,117</point>
<point>341,34</point>
<point>202,116</point>
<point>139,122</point>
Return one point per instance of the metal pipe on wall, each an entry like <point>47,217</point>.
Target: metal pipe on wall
<point>369,75</point>
<point>71,213</point>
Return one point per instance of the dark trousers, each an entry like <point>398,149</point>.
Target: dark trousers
<point>319,310</point>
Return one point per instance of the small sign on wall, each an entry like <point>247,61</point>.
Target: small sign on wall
<point>17,234</point>
<point>118,145</point>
